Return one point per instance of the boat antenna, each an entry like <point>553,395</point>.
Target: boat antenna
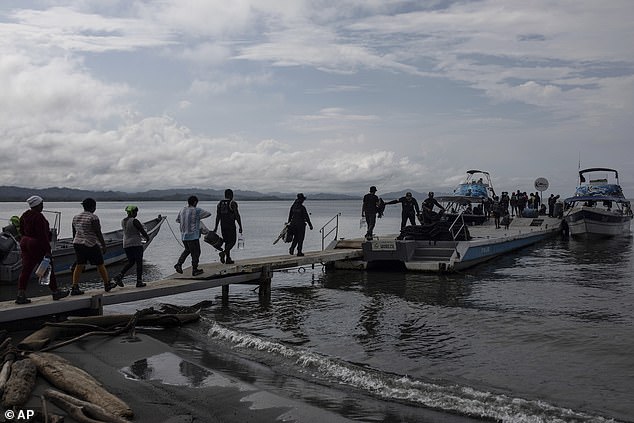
<point>579,165</point>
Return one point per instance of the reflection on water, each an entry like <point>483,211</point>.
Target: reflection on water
<point>170,369</point>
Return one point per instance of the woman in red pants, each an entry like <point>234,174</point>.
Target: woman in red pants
<point>35,244</point>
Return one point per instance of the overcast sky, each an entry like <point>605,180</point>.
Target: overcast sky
<point>314,96</point>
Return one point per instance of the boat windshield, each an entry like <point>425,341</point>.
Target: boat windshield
<point>601,190</point>
<point>474,189</point>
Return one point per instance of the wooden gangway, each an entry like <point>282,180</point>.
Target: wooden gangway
<point>247,271</point>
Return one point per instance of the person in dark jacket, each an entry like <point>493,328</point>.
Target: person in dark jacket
<point>428,208</point>
<point>34,246</point>
<point>227,215</point>
<point>410,209</point>
<point>298,218</point>
<point>369,210</point>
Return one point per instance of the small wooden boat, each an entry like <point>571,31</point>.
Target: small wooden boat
<point>64,253</point>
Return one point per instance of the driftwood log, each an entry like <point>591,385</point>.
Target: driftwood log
<point>4,375</point>
<point>81,411</point>
<point>20,384</point>
<point>79,326</point>
<point>76,382</point>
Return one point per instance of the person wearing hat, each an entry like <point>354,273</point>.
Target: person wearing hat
<point>13,227</point>
<point>298,217</point>
<point>133,235</point>
<point>35,244</point>
<point>87,238</point>
<point>410,209</point>
<point>369,210</point>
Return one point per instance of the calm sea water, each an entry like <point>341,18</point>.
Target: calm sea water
<point>541,335</point>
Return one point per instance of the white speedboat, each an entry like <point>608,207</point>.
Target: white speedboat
<point>598,209</point>
<point>457,239</point>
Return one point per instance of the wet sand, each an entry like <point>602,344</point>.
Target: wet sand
<point>161,387</point>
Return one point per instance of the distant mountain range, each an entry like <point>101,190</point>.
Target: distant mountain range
<point>16,194</point>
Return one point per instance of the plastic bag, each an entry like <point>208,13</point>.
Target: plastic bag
<point>43,267</point>
<point>362,223</point>
<point>240,241</point>
<point>45,279</point>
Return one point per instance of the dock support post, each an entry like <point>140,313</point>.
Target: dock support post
<point>96,305</point>
<point>225,295</point>
<point>265,283</point>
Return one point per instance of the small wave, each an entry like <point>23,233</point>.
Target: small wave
<point>456,399</point>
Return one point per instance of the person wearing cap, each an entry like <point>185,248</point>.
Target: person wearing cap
<point>87,238</point>
<point>227,215</point>
<point>369,210</point>
<point>133,235</point>
<point>35,244</point>
<point>298,217</point>
<point>410,209</point>
<point>13,227</point>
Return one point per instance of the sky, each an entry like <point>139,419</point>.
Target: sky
<point>314,96</point>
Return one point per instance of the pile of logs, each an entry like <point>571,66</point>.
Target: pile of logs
<point>76,392</point>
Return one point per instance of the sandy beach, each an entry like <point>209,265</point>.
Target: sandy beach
<point>162,387</point>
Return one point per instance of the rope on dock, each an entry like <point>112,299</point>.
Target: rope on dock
<point>172,231</point>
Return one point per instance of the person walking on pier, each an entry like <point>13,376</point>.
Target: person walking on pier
<point>369,210</point>
<point>410,209</point>
<point>227,215</point>
<point>298,217</point>
<point>35,244</point>
<point>189,220</point>
<point>87,237</point>
<point>133,235</point>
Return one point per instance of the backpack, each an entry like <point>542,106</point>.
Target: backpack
<point>225,208</point>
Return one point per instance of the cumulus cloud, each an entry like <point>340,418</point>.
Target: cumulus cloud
<point>327,96</point>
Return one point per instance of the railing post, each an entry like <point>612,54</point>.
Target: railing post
<point>335,229</point>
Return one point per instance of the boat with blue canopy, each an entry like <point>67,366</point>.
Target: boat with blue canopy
<point>469,198</point>
<point>599,208</point>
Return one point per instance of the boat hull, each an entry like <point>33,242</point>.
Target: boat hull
<point>593,223</point>
<point>64,252</point>
<point>486,243</point>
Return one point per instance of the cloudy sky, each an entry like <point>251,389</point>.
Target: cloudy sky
<point>317,96</point>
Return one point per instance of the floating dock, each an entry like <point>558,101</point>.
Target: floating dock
<point>485,243</point>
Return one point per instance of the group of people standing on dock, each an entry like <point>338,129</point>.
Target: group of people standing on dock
<point>88,242</point>
<point>33,232</point>
<point>191,227</point>
<point>501,208</point>
<point>227,215</point>
<point>373,207</point>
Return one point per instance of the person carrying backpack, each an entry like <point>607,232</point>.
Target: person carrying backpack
<point>227,215</point>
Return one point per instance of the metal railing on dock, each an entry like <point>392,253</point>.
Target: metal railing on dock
<point>335,229</point>
<point>462,227</point>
